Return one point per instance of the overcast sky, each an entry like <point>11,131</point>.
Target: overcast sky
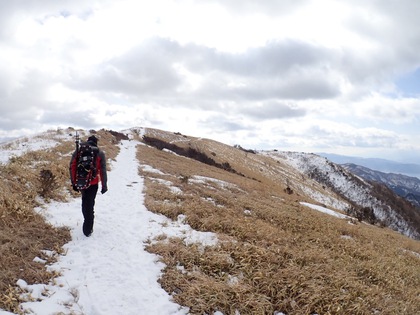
<point>316,76</point>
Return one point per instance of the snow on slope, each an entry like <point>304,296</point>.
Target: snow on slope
<point>326,210</point>
<point>316,166</point>
<point>353,188</point>
<point>110,272</point>
<point>403,185</point>
<point>308,174</point>
<point>46,140</point>
<point>299,162</point>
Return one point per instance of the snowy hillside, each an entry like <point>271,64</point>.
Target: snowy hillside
<point>407,187</point>
<point>311,175</point>
<point>19,146</point>
<point>109,272</point>
<point>257,222</point>
<point>354,189</point>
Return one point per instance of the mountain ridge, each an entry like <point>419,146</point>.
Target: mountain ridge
<point>286,241</point>
<point>309,174</point>
<point>378,164</point>
<point>405,186</point>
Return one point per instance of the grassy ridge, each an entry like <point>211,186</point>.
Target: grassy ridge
<point>273,254</point>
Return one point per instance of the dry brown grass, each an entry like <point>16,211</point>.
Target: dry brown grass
<point>24,234</point>
<point>273,254</point>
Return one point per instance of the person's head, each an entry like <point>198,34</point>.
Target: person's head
<point>93,140</point>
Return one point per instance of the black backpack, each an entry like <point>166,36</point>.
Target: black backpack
<point>86,165</point>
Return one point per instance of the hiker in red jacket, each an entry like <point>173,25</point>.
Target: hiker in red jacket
<point>89,194</point>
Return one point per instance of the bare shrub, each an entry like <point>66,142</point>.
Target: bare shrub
<point>48,183</point>
<point>189,152</point>
<point>184,179</point>
<point>288,190</point>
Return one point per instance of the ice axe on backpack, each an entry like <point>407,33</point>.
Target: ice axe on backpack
<point>77,141</point>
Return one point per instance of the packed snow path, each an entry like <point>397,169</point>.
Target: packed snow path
<point>110,272</point>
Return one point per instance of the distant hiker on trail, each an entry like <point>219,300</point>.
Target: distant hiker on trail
<point>87,165</point>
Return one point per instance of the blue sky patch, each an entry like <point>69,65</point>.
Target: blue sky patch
<point>409,84</point>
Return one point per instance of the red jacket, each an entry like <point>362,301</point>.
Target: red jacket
<point>100,166</point>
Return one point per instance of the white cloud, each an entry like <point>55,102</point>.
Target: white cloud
<point>299,74</point>
<point>381,109</point>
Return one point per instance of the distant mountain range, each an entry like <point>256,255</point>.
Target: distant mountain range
<point>407,187</point>
<point>382,165</point>
<point>402,178</point>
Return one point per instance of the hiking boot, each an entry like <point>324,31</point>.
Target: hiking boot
<point>87,231</point>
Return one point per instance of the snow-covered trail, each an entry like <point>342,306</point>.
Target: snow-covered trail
<point>109,272</point>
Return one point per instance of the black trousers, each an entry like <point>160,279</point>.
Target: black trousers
<point>88,204</point>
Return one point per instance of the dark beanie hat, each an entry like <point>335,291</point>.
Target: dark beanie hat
<point>92,139</point>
